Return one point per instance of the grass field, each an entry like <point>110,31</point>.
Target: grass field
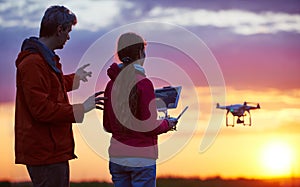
<point>182,182</point>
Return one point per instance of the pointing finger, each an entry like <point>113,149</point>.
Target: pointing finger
<point>84,66</point>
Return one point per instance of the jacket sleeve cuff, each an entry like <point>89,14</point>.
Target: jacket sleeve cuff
<point>76,82</point>
<point>78,112</point>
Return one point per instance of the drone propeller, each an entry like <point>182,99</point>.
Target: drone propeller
<point>246,103</point>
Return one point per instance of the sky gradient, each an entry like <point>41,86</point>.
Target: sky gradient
<point>255,43</point>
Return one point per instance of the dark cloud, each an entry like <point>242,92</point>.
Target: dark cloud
<point>289,6</point>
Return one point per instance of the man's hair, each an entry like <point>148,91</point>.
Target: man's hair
<point>55,16</point>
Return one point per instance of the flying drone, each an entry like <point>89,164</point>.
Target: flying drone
<point>239,111</point>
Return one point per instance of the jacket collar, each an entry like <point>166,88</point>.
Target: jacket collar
<point>137,67</point>
<point>32,44</point>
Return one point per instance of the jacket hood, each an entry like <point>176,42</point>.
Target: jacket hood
<point>21,56</point>
<point>113,71</point>
<point>33,45</point>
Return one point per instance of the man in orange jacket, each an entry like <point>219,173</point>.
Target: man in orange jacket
<point>43,117</point>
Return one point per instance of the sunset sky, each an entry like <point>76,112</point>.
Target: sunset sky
<point>227,51</point>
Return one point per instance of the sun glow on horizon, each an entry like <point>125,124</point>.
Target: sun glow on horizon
<point>277,159</point>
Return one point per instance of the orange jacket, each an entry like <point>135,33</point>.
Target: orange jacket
<point>44,116</point>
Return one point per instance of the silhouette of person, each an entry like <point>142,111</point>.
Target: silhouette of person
<point>130,115</point>
<point>43,117</point>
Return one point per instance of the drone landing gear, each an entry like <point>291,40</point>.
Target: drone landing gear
<point>239,120</point>
<point>227,124</point>
<point>248,122</point>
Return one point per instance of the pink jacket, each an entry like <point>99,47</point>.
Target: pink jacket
<point>133,143</point>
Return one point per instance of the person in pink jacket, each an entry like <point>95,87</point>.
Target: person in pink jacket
<point>130,115</point>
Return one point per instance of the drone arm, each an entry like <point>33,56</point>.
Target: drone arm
<point>253,107</point>
<point>221,107</point>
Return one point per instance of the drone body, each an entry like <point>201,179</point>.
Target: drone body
<point>239,111</point>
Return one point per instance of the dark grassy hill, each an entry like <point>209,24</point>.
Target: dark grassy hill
<point>192,182</point>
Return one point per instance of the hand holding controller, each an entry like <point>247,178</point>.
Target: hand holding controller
<point>172,122</point>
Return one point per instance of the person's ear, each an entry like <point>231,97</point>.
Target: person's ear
<point>142,54</point>
<point>59,30</point>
